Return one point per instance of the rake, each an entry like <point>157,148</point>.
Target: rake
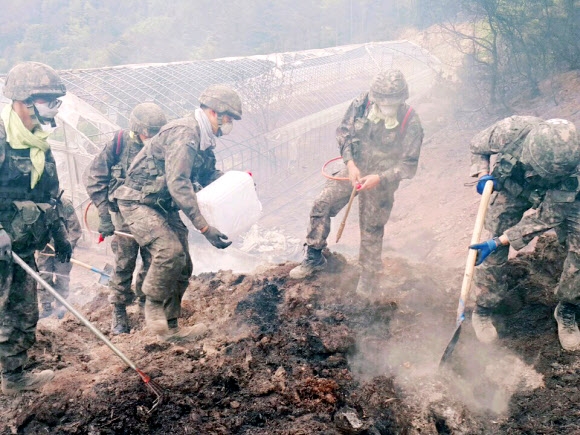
<point>151,385</point>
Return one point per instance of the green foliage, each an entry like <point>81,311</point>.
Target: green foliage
<point>96,33</point>
<point>517,43</point>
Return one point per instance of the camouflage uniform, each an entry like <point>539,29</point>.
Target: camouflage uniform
<point>29,218</point>
<point>516,194</point>
<point>375,150</point>
<point>107,172</point>
<point>159,183</point>
<point>560,211</point>
<point>53,271</point>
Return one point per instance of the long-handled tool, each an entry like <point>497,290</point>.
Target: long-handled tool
<point>153,386</point>
<point>343,223</point>
<point>469,268</point>
<point>105,275</point>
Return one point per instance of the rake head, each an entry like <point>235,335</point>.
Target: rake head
<point>153,387</point>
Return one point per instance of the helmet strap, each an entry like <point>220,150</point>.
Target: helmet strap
<point>220,118</point>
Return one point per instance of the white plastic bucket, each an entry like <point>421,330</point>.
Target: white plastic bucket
<point>230,203</point>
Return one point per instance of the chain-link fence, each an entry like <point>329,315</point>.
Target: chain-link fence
<point>292,105</point>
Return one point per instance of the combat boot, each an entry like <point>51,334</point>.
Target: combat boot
<point>17,381</point>
<point>155,319</point>
<point>313,262</point>
<point>367,284</point>
<point>120,324</point>
<point>46,310</point>
<point>568,332</point>
<point>178,334</point>
<point>482,324</point>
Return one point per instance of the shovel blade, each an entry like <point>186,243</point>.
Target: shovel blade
<point>106,276</point>
<point>451,346</point>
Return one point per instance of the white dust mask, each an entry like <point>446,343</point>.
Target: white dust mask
<point>226,128</point>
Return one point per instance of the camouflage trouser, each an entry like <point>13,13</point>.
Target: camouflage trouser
<point>374,210</point>
<point>54,272</point>
<point>126,250</point>
<point>490,277</point>
<point>568,289</point>
<point>164,236</point>
<point>18,313</point>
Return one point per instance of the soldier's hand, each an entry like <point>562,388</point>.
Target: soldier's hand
<point>216,238</point>
<point>369,182</point>
<point>62,250</point>
<point>106,227</point>
<point>353,173</point>
<point>5,246</point>
<point>484,249</point>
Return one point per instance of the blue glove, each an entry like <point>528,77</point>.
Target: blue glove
<point>482,180</point>
<point>484,249</point>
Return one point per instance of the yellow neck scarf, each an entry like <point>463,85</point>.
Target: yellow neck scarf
<point>19,138</point>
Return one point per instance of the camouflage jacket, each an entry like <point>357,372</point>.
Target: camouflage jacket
<point>28,215</point>
<point>505,138</point>
<point>71,221</point>
<point>109,168</point>
<point>170,169</point>
<point>375,149</point>
<point>507,133</point>
<point>552,213</point>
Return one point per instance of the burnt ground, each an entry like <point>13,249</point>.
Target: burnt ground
<point>287,357</point>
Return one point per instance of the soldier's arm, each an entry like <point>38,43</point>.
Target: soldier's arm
<point>406,167</point>
<point>179,161</point>
<point>345,131</point>
<point>100,176</point>
<point>74,228</point>
<point>546,217</point>
<point>54,185</point>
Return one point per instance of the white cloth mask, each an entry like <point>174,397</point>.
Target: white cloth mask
<point>389,111</point>
<point>46,110</point>
<point>226,128</point>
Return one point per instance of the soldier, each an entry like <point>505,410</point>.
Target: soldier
<point>28,217</point>
<point>162,180</point>
<point>106,174</point>
<point>380,140</point>
<point>53,271</point>
<point>535,167</point>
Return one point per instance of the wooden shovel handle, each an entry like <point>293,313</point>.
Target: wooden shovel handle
<point>72,260</point>
<point>343,223</point>
<point>472,255</point>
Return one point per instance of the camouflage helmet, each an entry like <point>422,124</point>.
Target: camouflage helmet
<point>147,119</point>
<point>389,87</point>
<point>552,149</point>
<point>222,99</point>
<point>28,79</point>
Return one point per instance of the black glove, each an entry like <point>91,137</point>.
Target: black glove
<point>5,246</point>
<point>62,250</point>
<point>216,238</point>
<point>106,227</point>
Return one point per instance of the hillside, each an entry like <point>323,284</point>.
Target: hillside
<point>287,357</point>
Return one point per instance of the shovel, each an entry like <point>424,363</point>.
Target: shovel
<point>153,386</point>
<point>105,274</point>
<point>469,268</point>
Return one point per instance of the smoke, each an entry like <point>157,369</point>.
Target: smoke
<point>482,378</point>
